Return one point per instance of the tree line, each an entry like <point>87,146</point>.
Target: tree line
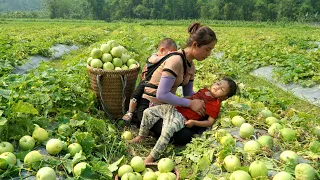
<point>20,5</point>
<point>247,10</point>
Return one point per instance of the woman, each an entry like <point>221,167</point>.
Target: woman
<point>179,71</point>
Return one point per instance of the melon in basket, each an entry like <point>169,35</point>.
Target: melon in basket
<point>96,53</point>
<point>112,53</point>
<point>165,165</point>
<point>164,170</point>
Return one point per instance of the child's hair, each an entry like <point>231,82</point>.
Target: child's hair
<point>232,86</point>
<point>167,42</point>
<point>203,35</point>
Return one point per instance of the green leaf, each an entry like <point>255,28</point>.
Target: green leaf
<point>5,93</point>
<point>75,123</point>
<point>70,178</point>
<point>87,173</point>
<point>52,161</point>
<point>178,159</point>
<point>204,163</point>
<point>244,168</point>
<point>63,111</point>
<point>304,115</point>
<point>67,156</point>
<point>21,154</point>
<point>24,107</point>
<point>78,157</point>
<point>1,112</point>
<point>19,163</point>
<point>68,165</point>
<point>102,168</point>
<point>11,171</point>
<point>3,121</point>
<point>232,113</point>
<point>86,140</point>
<point>96,126</point>
<point>3,164</point>
<point>211,155</point>
<point>114,166</point>
<point>268,163</point>
<point>193,157</point>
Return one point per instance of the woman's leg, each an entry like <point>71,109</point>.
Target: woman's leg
<point>183,137</point>
<point>150,117</point>
<point>173,121</point>
<point>179,138</point>
<point>156,129</point>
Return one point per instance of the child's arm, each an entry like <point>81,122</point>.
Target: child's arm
<point>204,123</point>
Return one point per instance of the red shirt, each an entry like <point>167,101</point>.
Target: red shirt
<point>212,106</point>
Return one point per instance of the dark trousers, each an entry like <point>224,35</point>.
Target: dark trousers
<point>138,92</point>
<point>142,105</point>
<point>181,137</point>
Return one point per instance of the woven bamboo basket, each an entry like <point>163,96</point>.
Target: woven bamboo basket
<point>113,88</point>
<point>154,167</point>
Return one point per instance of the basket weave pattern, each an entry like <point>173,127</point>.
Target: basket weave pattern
<point>112,87</point>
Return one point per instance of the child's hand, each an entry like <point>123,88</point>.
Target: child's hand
<point>189,123</point>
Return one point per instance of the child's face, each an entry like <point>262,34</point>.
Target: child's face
<point>162,51</point>
<point>220,90</point>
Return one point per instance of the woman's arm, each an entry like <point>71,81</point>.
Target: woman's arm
<point>204,123</point>
<point>164,94</point>
<point>188,89</point>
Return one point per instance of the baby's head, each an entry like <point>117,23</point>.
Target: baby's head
<point>223,89</point>
<point>165,46</point>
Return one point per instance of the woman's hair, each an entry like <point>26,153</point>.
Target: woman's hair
<point>232,86</point>
<point>203,35</point>
<point>167,42</point>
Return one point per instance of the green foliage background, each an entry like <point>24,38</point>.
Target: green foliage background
<point>58,92</point>
<point>247,10</point>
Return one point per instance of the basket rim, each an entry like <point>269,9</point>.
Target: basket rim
<point>113,71</point>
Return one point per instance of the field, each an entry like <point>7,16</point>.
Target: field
<point>58,92</point>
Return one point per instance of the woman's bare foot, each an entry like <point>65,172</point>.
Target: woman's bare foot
<point>137,139</point>
<point>148,159</point>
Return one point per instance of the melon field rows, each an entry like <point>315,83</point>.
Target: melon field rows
<point>58,92</point>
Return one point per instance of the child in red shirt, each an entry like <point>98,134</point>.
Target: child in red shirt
<point>176,117</point>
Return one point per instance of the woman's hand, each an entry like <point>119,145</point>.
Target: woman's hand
<point>189,123</point>
<point>198,106</point>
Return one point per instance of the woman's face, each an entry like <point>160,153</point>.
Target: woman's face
<point>202,52</point>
